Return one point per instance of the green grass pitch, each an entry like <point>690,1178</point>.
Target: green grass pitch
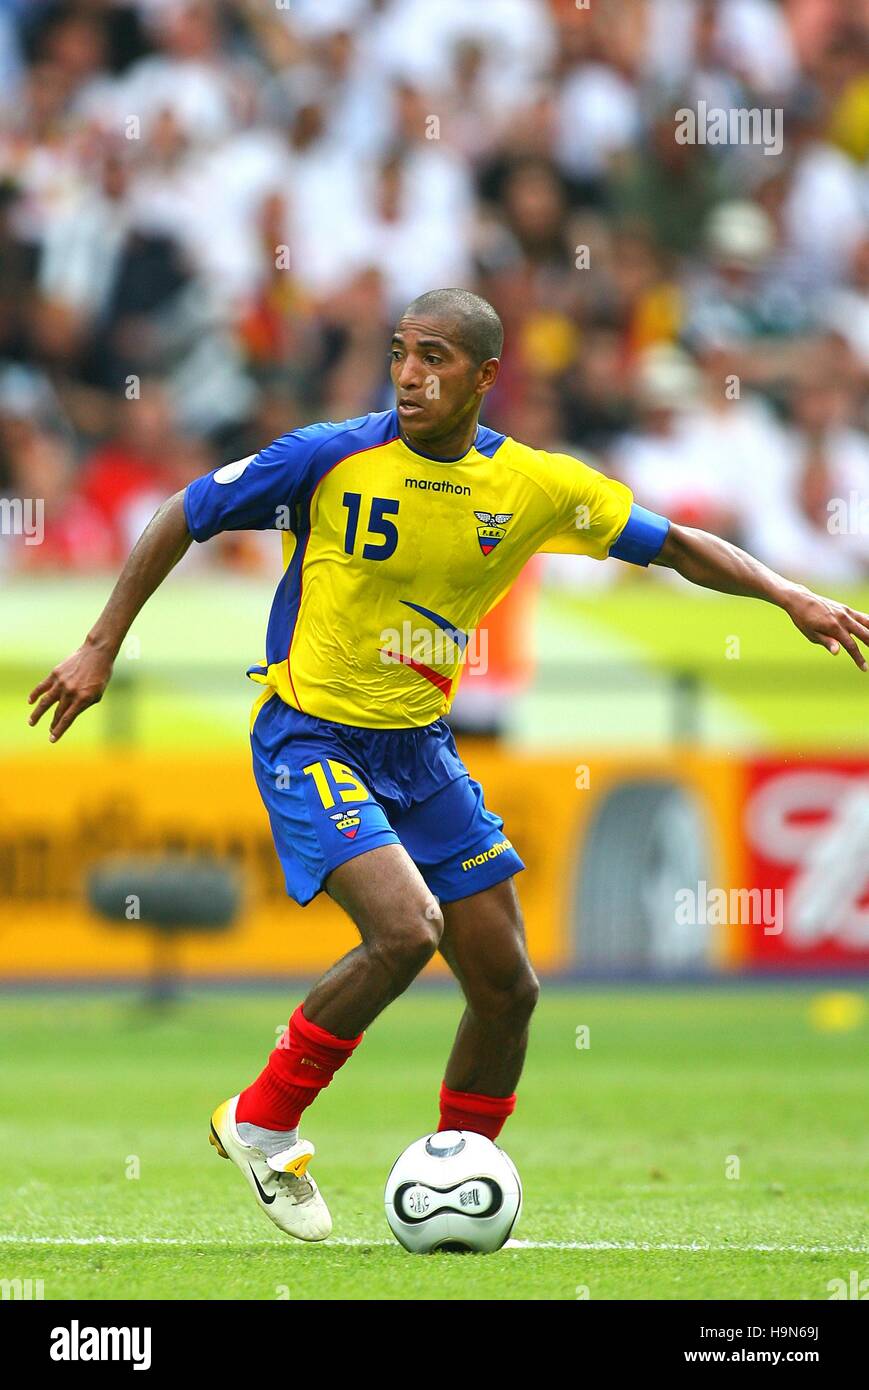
<point>624,1148</point>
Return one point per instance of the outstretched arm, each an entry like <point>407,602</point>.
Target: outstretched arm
<point>79,681</point>
<point>707,560</point>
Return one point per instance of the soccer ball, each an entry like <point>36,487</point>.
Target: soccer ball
<point>453,1191</point>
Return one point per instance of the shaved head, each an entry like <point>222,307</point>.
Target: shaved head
<point>471,321</point>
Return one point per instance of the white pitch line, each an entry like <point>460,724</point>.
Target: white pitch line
<point>649,1247</point>
<point>692,1247</point>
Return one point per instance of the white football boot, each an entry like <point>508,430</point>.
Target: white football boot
<point>280,1183</point>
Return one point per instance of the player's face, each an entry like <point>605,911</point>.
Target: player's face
<point>437,385</point>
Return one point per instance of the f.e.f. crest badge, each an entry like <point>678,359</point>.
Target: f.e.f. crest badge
<point>347,822</point>
<point>492,529</point>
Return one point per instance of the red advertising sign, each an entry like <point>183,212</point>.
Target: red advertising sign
<point>806,826</point>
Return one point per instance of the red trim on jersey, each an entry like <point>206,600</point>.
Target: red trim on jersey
<point>443,683</point>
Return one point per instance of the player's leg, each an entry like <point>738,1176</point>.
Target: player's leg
<point>484,944</point>
<point>400,923</point>
<point>469,863</point>
<point>330,831</point>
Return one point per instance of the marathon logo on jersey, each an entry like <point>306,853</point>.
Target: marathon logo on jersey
<point>492,853</point>
<point>348,822</point>
<point>438,485</point>
<point>492,530</point>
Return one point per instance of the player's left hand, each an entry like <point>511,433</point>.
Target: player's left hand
<point>829,624</point>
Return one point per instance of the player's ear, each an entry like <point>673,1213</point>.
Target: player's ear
<point>488,374</point>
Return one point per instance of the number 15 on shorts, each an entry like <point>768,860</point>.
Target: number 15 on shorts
<point>338,779</point>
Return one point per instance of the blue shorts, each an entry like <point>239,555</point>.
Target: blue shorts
<point>334,791</point>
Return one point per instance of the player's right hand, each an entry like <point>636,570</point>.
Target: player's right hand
<point>73,687</point>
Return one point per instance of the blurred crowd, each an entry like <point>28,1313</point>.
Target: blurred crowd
<point>211,213</point>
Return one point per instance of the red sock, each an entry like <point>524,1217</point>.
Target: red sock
<point>304,1061</point>
<point>480,1114</point>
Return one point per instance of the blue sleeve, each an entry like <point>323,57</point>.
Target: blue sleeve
<point>259,492</point>
<point>642,537</point>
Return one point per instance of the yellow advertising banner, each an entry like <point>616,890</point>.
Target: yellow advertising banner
<point>603,842</point>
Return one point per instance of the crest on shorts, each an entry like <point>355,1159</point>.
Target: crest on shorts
<point>348,822</point>
<point>492,529</point>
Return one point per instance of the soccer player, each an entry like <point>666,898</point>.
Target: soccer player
<point>403,525</point>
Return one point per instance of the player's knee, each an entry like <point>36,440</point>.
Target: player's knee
<point>507,1001</point>
<point>407,952</point>
<point>520,998</point>
<point>434,919</point>
<point>411,942</point>
<point>526,993</point>
<point>423,934</point>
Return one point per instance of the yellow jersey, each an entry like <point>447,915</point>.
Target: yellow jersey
<point>392,558</point>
